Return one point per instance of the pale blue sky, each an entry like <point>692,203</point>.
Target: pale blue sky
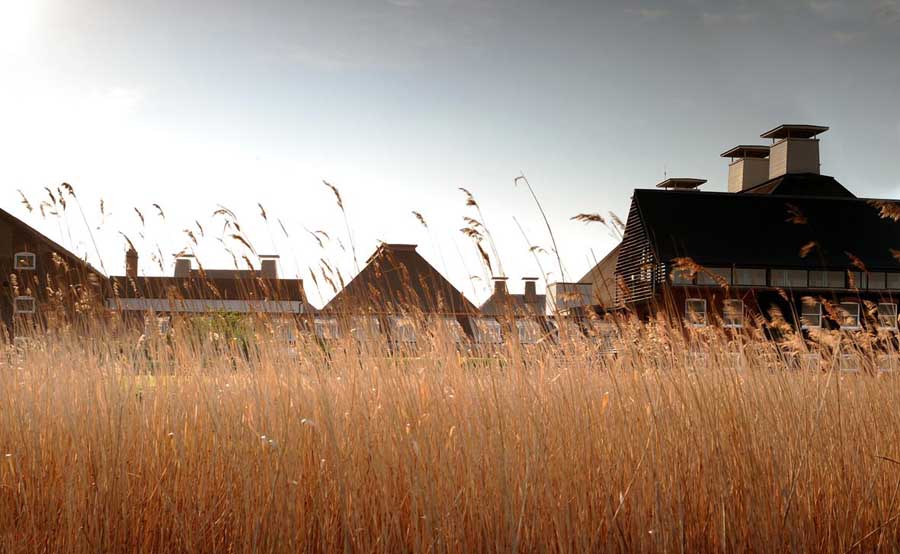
<point>399,103</point>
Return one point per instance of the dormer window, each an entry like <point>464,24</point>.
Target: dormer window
<point>23,305</point>
<point>25,261</point>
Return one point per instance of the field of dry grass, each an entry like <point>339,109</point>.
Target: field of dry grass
<point>682,444</point>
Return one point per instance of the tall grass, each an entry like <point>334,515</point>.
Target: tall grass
<point>198,442</point>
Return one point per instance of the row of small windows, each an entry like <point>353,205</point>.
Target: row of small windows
<point>788,278</point>
<point>403,329</point>
<point>849,314</point>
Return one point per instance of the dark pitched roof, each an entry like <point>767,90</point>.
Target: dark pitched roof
<point>763,230</point>
<point>397,279</point>
<point>68,256</point>
<point>801,184</point>
<point>206,285</point>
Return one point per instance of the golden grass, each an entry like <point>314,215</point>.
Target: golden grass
<point>183,444</point>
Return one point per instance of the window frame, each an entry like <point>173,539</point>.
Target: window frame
<point>319,327</point>
<point>25,255</point>
<point>18,311</point>
<point>858,316</point>
<point>725,322</point>
<point>522,327</point>
<point>705,277</point>
<point>764,281</point>
<point>893,326</point>
<point>683,277</point>
<point>687,313</point>
<point>365,327</point>
<point>479,333</point>
<point>787,284</point>
<point>402,329</point>
<point>803,314</point>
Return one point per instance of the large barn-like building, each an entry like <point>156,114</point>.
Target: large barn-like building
<point>784,237</point>
<point>42,281</point>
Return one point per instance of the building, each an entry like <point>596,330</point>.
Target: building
<point>199,290</point>
<point>42,281</point>
<point>396,289</point>
<point>523,313</point>
<point>784,240</point>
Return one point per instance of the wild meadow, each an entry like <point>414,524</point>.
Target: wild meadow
<point>205,440</point>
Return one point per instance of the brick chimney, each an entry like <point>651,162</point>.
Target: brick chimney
<point>268,268</point>
<point>131,263</point>
<point>530,289</point>
<point>183,267</point>
<point>500,286</point>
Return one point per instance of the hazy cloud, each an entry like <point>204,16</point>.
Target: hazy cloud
<point>888,11</point>
<point>717,19</point>
<point>849,37</point>
<point>648,13</point>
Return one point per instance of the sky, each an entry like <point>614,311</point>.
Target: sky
<point>398,103</point>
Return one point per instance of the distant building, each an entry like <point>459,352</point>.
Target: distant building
<point>395,289</point>
<point>503,303</point>
<point>199,290</point>
<point>42,281</point>
<point>784,238</point>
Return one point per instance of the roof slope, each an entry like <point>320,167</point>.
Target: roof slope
<point>801,184</point>
<point>398,279</point>
<point>68,256</point>
<point>767,230</point>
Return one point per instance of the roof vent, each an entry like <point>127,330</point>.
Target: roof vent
<point>681,183</point>
<point>795,149</point>
<point>268,267</point>
<point>183,265</point>
<point>749,166</point>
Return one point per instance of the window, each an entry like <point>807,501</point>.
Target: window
<point>682,277</point>
<point>733,314</point>
<point>811,314</point>
<point>327,328</point>
<point>826,279</point>
<point>364,328</point>
<point>695,312</point>
<point>855,280</point>
<point>750,277</point>
<point>487,330</point>
<point>893,281</point>
<point>450,327</point>
<point>164,325</point>
<point>403,329</point>
<point>849,314</point>
<point>23,305</point>
<point>790,278</point>
<point>874,281</point>
<point>25,261</point>
<point>849,362</point>
<point>530,331</point>
<point>716,276</point>
<point>887,316</point>
<point>888,363</point>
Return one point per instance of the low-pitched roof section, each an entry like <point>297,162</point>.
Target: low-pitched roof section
<point>397,279</point>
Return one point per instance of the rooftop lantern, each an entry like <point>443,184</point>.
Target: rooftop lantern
<point>681,183</point>
<point>795,149</point>
<point>749,166</point>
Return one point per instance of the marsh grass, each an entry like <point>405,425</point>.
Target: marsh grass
<point>680,442</point>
